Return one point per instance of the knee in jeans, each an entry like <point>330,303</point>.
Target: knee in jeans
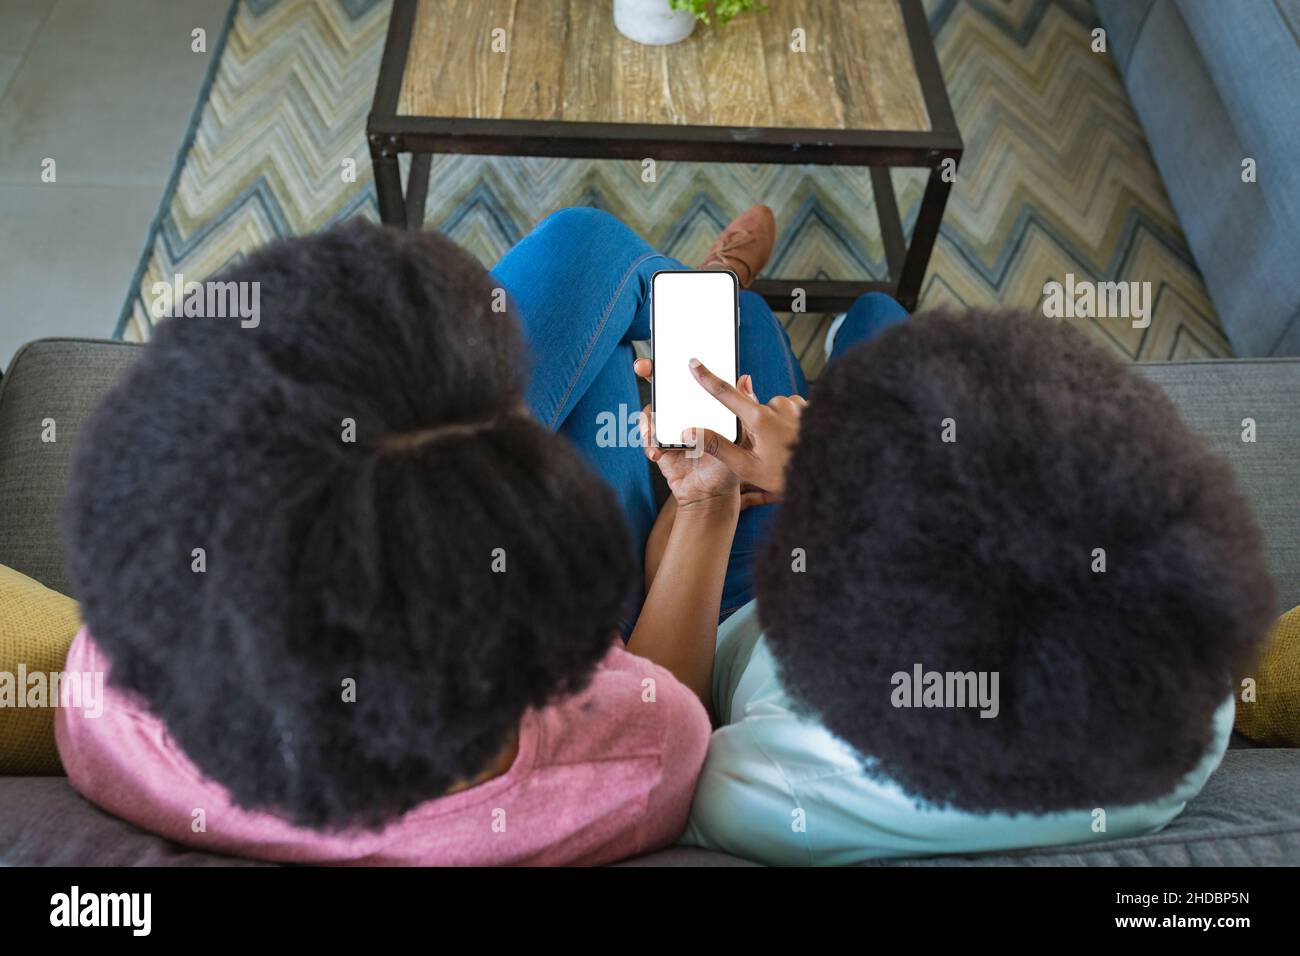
<point>579,219</point>
<point>875,301</point>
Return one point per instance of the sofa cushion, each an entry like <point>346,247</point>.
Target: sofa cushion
<point>36,628</point>
<point>686,856</point>
<point>62,380</point>
<point>1272,717</point>
<point>44,822</point>
<point>1246,815</point>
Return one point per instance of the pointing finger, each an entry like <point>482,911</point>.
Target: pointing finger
<point>745,408</point>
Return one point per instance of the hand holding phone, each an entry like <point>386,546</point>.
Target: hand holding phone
<point>693,317</point>
<point>757,462</point>
<point>693,477</point>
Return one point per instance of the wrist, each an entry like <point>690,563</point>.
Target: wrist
<point>725,506</point>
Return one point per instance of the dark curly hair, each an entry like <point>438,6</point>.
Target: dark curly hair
<point>328,559</point>
<point>977,555</point>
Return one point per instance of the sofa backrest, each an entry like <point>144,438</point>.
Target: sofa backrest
<point>1216,398</point>
<point>49,380</point>
<point>64,379</point>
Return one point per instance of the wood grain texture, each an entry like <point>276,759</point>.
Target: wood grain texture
<point>565,61</point>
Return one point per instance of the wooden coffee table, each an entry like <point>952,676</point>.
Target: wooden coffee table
<point>867,92</point>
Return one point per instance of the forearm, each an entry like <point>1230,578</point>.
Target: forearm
<point>658,541</point>
<point>678,624</point>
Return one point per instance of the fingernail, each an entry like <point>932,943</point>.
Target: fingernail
<point>695,363</point>
<point>688,435</point>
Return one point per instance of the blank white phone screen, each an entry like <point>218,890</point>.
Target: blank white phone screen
<point>692,315</point>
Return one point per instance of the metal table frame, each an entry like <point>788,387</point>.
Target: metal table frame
<point>390,134</point>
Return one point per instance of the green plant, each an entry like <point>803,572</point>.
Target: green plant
<point>724,10</point>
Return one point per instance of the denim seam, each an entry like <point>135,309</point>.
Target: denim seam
<point>604,320</point>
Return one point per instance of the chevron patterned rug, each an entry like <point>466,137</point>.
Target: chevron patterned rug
<point>1056,178</point>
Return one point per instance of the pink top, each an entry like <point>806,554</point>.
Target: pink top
<point>600,776</point>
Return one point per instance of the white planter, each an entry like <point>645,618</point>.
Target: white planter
<point>652,22</point>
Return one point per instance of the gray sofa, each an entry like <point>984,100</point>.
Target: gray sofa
<point>1248,813</point>
<point>1214,82</point>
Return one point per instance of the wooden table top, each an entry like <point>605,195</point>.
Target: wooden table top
<point>565,61</point>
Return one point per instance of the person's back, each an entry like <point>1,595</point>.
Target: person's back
<point>355,603</point>
<point>1005,604</point>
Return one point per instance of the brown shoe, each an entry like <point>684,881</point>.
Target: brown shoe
<point>744,246</point>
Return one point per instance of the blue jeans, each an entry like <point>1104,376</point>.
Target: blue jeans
<point>581,284</point>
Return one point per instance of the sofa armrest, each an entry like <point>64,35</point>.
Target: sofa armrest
<point>50,379</point>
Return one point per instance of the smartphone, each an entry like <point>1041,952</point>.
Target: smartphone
<point>693,314</point>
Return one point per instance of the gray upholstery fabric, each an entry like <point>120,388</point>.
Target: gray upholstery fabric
<point>1214,83</point>
<point>1214,398</point>
<point>44,822</point>
<point>62,379</point>
<point>686,856</point>
<point>1247,815</point>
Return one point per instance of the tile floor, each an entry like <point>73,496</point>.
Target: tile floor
<point>105,88</point>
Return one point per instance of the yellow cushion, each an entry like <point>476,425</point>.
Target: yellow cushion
<point>1273,718</point>
<point>37,626</point>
